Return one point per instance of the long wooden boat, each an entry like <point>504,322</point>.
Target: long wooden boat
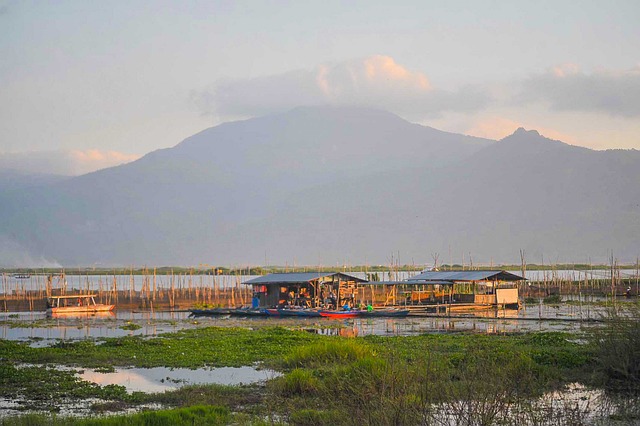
<point>298,313</point>
<point>210,312</point>
<point>75,304</point>
<point>285,312</point>
<point>340,314</point>
<point>252,312</point>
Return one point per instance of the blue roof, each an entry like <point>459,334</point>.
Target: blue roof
<point>466,276</point>
<point>299,277</point>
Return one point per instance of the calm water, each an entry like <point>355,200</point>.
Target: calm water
<point>160,379</point>
<point>42,330</point>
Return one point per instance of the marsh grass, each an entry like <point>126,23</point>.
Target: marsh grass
<point>327,352</point>
<point>617,350</point>
<point>439,379</point>
<point>195,415</point>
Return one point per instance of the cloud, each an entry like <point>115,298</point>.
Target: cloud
<point>67,163</point>
<point>376,81</point>
<point>567,88</point>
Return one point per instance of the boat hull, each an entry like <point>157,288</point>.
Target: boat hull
<point>298,313</point>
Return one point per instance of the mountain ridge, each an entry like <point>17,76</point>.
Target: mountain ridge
<point>321,184</point>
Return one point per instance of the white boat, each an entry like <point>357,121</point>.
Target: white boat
<point>75,304</point>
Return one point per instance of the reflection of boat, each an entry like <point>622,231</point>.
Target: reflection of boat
<point>93,314</point>
<point>340,314</point>
<point>75,304</point>
<point>396,313</point>
<point>209,312</point>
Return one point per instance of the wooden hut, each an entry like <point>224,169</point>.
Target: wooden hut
<point>460,288</point>
<point>307,289</point>
<point>494,288</point>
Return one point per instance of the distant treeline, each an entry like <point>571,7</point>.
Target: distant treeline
<point>262,270</point>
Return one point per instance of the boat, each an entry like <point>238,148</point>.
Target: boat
<point>298,312</point>
<point>248,312</point>
<point>288,312</point>
<point>340,314</point>
<point>75,304</point>
<point>395,313</point>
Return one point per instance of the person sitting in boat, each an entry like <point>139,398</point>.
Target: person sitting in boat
<point>346,307</point>
<point>369,308</point>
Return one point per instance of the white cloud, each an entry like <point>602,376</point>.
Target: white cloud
<point>67,163</point>
<point>566,88</point>
<point>376,81</point>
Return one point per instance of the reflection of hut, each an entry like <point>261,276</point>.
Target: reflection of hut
<point>496,288</point>
<point>310,289</point>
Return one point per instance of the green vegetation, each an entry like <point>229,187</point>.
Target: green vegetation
<point>618,350</point>
<point>131,326</point>
<point>473,378</point>
<point>554,299</point>
<point>261,270</point>
<point>196,415</point>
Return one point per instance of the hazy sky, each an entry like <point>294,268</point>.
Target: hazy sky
<point>115,79</point>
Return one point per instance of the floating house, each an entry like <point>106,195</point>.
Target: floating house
<point>305,289</point>
<point>456,289</point>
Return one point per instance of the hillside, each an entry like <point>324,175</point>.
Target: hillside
<point>557,202</point>
<point>326,185</point>
<point>181,205</point>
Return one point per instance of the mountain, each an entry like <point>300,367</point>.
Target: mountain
<point>182,205</point>
<point>556,201</point>
<point>16,180</point>
<point>319,185</point>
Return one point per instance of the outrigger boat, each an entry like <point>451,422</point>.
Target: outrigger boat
<point>210,312</point>
<point>75,304</point>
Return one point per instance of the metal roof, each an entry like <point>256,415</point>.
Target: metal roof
<point>298,277</point>
<point>406,282</point>
<point>466,276</point>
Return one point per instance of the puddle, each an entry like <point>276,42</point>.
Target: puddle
<point>160,379</point>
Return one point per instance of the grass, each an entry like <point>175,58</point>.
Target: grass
<point>195,415</point>
<point>475,378</point>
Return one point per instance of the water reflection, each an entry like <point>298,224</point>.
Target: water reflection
<point>537,317</point>
<point>161,379</point>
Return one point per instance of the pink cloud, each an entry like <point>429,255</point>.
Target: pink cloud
<point>376,81</point>
<point>67,163</point>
